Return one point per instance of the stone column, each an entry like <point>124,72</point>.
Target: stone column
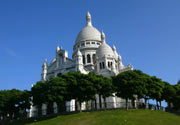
<point>44,109</point>
<point>55,107</point>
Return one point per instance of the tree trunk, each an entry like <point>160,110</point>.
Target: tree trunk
<point>11,115</point>
<point>133,104</point>
<point>105,105</point>
<point>145,99</point>
<point>160,105</point>
<point>62,107</point>
<point>50,109</point>
<point>76,106</point>
<point>80,110</point>
<point>87,105</point>
<point>95,104</point>
<point>100,103</point>
<point>157,105</point>
<point>126,104</point>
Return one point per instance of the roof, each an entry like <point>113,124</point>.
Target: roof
<point>88,33</point>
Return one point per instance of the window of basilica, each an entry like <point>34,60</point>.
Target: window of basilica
<point>88,58</point>
<point>100,65</point>
<point>84,59</point>
<point>94,58</point>
<point>103,66</point>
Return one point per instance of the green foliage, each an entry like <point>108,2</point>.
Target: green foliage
<point>53,90</point>
<point>156,88</point>
<point>176,99</point>
<point>84,87</point>
<point>169,92</point>
<point>80,87</point>
<point>130,83</point>
<point>11,101</point>
<point>104,86</point>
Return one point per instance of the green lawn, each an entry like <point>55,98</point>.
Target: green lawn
<point>114,117</point>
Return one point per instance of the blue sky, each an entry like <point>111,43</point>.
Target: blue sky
<point>146,34</point>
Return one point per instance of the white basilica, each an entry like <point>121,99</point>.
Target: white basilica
<point>91,53</point>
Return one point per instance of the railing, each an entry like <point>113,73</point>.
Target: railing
<point>97,106</point>
<point>89,106</point>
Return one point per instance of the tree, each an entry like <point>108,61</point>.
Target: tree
<point>99,81</point>
<point>12,101</point>
<point>169,92</point>
<point>140,85</point>
<point>176,98</point>
<point>156,90</point>
<point>124,87</point>
<point>107,89</point>
<point>24,101</point>
<point>71,86</point>
<point>80,88</point>
<point>57,91</point>
<point>38,92</point>
<point>104,88</point>
<point>53,90</point>
<point>93,79</point>
<point>132,84</point>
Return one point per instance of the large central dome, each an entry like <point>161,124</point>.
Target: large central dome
<point>89,32</point>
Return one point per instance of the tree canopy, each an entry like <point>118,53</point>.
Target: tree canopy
<point>129,85</point>
<point>12,101</point>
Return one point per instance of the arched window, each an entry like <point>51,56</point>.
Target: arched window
<point>94,58</point>
<point>88,58</point>
<point>109,66</point>
<point>100,65</point>
<point>83,59</point>
<point>103,66</point>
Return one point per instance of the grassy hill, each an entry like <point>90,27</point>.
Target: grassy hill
<point>113,117</point>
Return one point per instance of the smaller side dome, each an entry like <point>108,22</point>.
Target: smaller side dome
<point>104,49</point>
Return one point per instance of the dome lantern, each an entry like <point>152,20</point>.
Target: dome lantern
<point>103,37</point>
<point>88,19</point>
